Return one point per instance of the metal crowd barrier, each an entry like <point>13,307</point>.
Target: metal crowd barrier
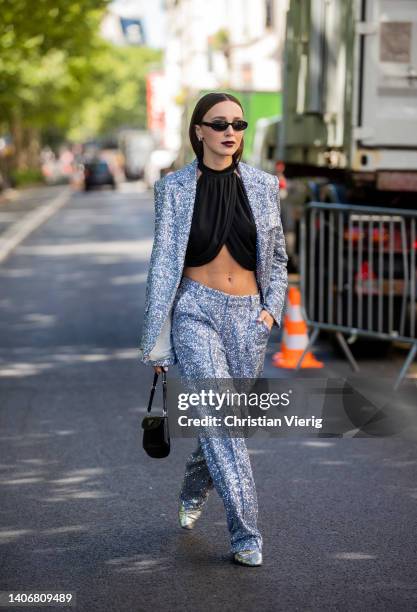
<point>358,274</point>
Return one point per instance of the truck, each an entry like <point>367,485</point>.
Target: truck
<point>136,146</point>
<point>348,129</point>
<point>347,136</point>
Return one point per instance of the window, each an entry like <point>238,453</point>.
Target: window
<point>269,13</point>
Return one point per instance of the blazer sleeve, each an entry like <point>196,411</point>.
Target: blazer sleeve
<point>159,194</point>
<point>277,291</point>
<point>158,191</point>
<point>162,353</point>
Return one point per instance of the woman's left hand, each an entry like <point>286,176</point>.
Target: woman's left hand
<point>267,318</point>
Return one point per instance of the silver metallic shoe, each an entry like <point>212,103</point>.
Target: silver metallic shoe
<point>253,558</point>
<point>188,518</point>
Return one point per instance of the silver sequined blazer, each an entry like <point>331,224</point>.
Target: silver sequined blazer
<point>174,205</point>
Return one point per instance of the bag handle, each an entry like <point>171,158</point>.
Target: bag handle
<point>164,392</point>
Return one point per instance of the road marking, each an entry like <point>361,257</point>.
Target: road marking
<point>15,234</point>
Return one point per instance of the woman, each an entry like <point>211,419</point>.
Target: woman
<point>216,284</point>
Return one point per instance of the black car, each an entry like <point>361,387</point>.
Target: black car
<point>97,173</point>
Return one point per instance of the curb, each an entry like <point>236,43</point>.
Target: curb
<point>9,195</point>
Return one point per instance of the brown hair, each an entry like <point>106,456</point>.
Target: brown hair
<point>203,105</point>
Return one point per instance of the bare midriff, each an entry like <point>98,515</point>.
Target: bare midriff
<point>224,273</point>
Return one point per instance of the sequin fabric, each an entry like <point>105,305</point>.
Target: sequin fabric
<point>174,205</point>
<point>217,336</point>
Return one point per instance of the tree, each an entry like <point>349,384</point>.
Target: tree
<point>47,50</point>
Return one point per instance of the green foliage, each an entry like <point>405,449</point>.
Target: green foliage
<point>36,41</point>
<point>31,176</point>
<point>221,39</point>
<point>59,76</point>
<point>117,92</point>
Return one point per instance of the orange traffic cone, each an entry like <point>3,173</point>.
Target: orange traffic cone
<point>295,337</point>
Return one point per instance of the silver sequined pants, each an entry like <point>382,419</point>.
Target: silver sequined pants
<point>216,335</point>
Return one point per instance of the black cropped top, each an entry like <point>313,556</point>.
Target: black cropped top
<point>222,215</point>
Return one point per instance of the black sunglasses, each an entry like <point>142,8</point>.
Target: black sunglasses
<point>221,126</point>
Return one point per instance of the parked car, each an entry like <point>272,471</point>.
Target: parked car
<point>97,173</point>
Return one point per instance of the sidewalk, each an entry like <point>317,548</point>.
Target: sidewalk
<point>23,210</point>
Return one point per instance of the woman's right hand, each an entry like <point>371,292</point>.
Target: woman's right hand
<point>160,369</point>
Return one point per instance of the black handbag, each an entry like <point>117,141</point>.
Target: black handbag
<point>156,441</point>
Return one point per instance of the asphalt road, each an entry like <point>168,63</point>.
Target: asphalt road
<point>84,510</point>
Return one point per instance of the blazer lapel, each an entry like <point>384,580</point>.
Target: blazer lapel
<point>184,195</point>
<point>257,196</point>
<point>255,191</point>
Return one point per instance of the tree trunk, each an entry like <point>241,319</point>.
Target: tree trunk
<point>27,146</point>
